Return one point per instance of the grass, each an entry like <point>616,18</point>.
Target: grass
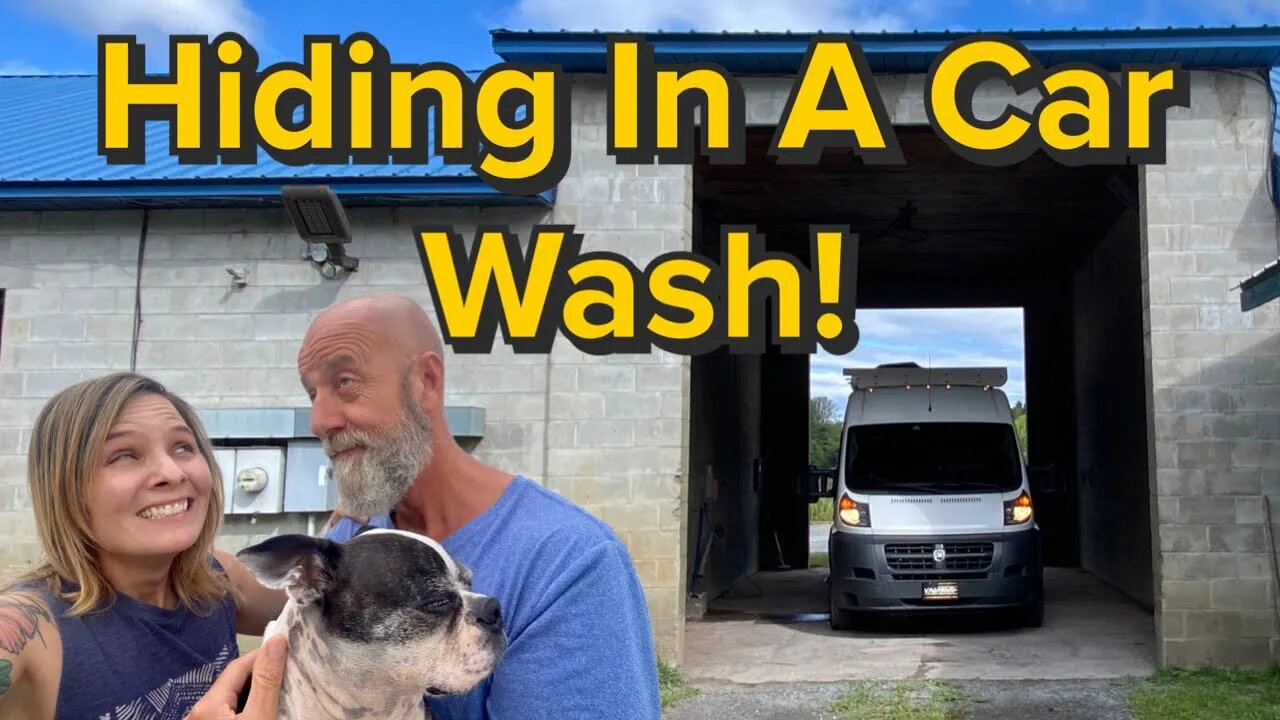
<point>918,700</point>
<point>1209,694</point>
<point>818,559</point>
<point>1171,694</point>
<point>672,686</point>
<point>822,511</point>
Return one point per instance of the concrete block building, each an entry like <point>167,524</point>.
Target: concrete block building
<point>1154,398</point>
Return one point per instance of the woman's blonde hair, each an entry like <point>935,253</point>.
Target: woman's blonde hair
<point>63,458</point>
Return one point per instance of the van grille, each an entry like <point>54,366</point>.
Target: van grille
<point>919,556</point>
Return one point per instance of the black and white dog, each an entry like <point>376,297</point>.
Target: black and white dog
<point>375,624</point>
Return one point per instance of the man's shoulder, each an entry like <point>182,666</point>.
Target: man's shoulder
<point>543,515</point>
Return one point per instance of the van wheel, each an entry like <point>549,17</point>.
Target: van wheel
<point>841,620</point>
<point>1033,614</point>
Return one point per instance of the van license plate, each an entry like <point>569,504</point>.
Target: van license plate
<point>941,591</point>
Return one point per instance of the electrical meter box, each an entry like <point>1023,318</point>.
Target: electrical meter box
<point>226,458</point>
<point>309,485</point>
<point>252,479</point>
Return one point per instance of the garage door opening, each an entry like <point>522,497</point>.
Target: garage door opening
<point>1055,248</point>
<point>931,338</point>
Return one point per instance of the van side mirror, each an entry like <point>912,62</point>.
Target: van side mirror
<point>818,483</point>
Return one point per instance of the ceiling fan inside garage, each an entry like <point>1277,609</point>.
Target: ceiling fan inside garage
<point>901,228</point>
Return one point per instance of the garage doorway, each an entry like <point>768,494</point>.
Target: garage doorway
<point>1057,246</point>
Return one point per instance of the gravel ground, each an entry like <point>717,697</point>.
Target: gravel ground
<point>988,700</point>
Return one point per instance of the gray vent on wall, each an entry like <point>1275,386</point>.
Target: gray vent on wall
<point>466,422</point>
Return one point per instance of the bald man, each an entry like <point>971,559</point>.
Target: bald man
<point>576,617</point>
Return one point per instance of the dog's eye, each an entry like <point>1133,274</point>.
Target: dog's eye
<point>438,605</point>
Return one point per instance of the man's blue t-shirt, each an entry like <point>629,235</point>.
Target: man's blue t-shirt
<point>580,644</point>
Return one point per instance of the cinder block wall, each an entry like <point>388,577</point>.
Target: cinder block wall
<point>619,423</point>
<point>1111,413</point>
<point>1215,376</point>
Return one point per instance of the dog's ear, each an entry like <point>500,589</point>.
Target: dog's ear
<point>301,564</point>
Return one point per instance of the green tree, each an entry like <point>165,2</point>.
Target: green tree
<point>824,432</point>
<point>1020,425</point>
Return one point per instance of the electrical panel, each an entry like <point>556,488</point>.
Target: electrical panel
<point>257,482</point>
<point>272,463</point>
<point>226,458</point>
<point>308,480</point>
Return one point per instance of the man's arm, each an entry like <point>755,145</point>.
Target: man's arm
<point>589,653</point>
<point>258,604</point>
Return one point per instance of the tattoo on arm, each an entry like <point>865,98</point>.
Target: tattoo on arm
<point>19,622</point>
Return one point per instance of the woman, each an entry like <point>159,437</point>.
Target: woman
<point>130,615</point>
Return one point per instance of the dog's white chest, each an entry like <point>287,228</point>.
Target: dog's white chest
<point>314,688</point>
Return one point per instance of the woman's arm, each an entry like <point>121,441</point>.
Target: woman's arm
<point>30,658</point>
<point>259,604</point>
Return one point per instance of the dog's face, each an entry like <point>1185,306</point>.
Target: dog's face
<point>392,602</point>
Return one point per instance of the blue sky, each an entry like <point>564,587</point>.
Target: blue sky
<point>58,36</point>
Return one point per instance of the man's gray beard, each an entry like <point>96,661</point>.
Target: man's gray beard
<point>371,484</point>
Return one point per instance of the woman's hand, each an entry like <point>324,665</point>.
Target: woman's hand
<point>266,666</point>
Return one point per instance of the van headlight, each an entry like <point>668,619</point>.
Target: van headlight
<point>854,513</point>
<point>1018,510</point>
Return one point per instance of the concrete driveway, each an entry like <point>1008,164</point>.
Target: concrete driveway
<point>774,629</point>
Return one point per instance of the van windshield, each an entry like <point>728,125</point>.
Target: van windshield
<point>932,457</point>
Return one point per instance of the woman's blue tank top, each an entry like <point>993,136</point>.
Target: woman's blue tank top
<point>135,661</point>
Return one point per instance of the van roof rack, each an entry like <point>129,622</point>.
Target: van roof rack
<point>902,375</point>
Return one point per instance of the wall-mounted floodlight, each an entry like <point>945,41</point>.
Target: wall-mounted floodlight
<point>1260,288</point>
<point>319,219</point>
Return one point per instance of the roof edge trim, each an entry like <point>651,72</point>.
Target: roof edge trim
<point>1204,47</point>
<point>461,187</point>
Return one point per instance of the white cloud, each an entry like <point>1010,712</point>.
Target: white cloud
<point>953,337</point>
<point>151,20</point>
<point>17,67</point>
<point>730,15</point>
<point>1160,13</point>
<point>1058,7</point>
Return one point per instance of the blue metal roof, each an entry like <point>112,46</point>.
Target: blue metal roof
<point>907,52</point>
<point>49,160</point>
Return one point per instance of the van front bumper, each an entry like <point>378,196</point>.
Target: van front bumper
<point>895,573</point>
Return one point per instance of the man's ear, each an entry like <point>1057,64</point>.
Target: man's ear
<point>429,369</point>
<point>301,564</point>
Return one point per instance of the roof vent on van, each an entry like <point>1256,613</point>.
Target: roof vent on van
<point>910,374</point>
<point>899,365</point>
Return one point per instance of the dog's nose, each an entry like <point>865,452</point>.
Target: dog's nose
<point>489,612</point>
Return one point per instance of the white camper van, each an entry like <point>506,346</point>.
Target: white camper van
<point>933,509</point>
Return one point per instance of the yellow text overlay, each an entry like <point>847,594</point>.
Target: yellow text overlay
<point>602,303</point>
<point>345,102</point>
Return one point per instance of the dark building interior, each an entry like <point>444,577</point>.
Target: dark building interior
<point>1063,243</point>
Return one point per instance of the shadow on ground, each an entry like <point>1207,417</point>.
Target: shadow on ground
<point>773,628</point>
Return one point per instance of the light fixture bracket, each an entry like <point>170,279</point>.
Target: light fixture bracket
<point>320,220</point>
